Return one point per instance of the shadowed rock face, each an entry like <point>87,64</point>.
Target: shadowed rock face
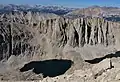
<point>49,68</point>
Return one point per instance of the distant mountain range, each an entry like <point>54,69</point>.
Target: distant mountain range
<point>59,10</point>
<point>109,13</point>
<point>96,11</point>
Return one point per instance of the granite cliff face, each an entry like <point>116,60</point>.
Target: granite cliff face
<point>27,36</point>
<point>28,32</point>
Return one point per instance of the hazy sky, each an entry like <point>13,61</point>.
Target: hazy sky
<point>68,3</point>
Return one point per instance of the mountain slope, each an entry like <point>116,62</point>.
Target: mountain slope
<point>90,45</point>
<point>96,11</point>
<point>109,13</point>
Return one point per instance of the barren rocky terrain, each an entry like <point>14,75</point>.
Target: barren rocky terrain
<point>51,48</point>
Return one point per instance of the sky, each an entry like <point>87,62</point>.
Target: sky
<point>66,3</point>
